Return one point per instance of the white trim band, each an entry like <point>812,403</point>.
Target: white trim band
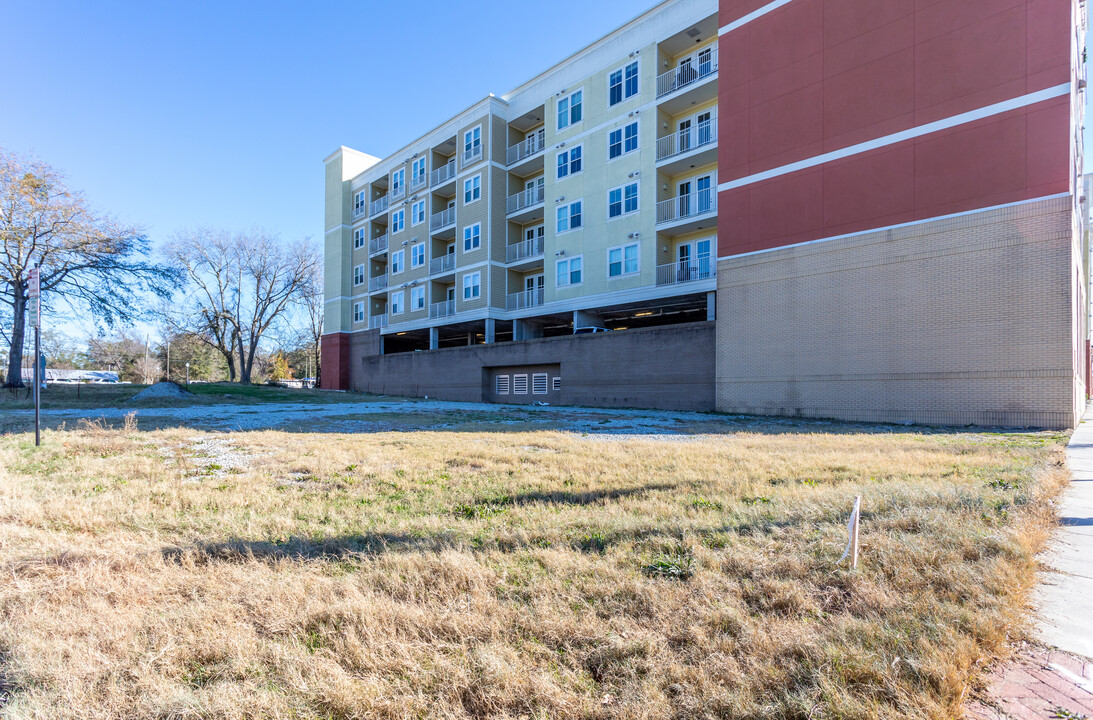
<point>912,133</point>
<point>754,15</point>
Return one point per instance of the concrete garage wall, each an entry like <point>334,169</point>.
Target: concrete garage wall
<point>669,368</point>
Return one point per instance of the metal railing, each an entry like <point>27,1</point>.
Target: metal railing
<point>442,309</point>
<point>377,283</point>
<point>687,206</point>
<point>377,322</point>
<point>442,219</point>
<point>472,155</point>
<point>686,271</point>
<point>698,66</point>
<point>684,141</point>
<point>442,264</point>
<point>525,299</point>
<point>419,181</point>
<point>398,193</point>
<point>360,211</point>
<point>377,244</point>
<point>525,199</point>
<point>526,148</point>
<point>525,249</point>
<point>443,174</point>
<point>378,206</point>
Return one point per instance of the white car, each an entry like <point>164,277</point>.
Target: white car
<point>589,330</point>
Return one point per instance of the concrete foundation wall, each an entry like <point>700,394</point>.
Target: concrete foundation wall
<point>670,368</point>
<point>965,320</point>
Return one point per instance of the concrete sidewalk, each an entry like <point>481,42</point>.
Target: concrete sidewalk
<point>1065,594</point>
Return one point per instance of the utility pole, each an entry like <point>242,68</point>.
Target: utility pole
<point>168,359</point>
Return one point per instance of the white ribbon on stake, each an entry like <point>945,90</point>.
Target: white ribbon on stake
<point>852,527</point>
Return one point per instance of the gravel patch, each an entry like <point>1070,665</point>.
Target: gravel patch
<point>163,391</point>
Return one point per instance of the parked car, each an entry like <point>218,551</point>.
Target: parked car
<point>589,330</point>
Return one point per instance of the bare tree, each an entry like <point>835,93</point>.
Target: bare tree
<point>89,262</point>
<point>147,369</point>
<point>243,283</point>
<point>312,299</point>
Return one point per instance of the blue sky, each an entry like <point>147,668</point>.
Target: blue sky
<point>178,114</point>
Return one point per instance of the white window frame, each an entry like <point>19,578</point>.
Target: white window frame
<point>472,237</point>
<point>624,82</point>
<point>518,382</point>
<point>417,213</point>
<point>395,303</point>
<point>475,140</point>
<point>358,312</point>
<point>398,180</point>
<point>621,249</point>
<point>540,380</point>
<point>360,238</point>
<point>568,209</point>
<point>359,276</point>
<point>360,202</point>
<point>568,155</point>
<point>568,100</point>
<point>556,383</point>
<point>472,286</point>
<point>417,299</point>
<point>421,162</point>
<point>417,255</point>
<point>398,261</point>
<point>502,384</point>
<point>475,189</point>
<point>398,221</point>
<point>621,190</point>
<point>621,130</point>
<point>568,262</point>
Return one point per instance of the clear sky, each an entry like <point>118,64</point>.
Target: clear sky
<point>177,114</point>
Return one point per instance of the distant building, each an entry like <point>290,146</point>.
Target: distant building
<point>73,376</point>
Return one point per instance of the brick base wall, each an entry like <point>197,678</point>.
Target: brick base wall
<point>965,320</point>
<point>335,361</point>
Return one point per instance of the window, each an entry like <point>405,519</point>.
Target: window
<point>557,384</point>
<point>472,143</point>
<point>358,312</point>
<point>417,213</point>
<point>472,189</point>
<point>358,275</point>
<point>398,261</point>
<point>359,201</point>
<point>417,298</point>
<point>569,272</point>
<point>418,170</point>
<point>472,286</point>
<point>472,237</point>
<point>398,221</point>
<point>520,384</point>
<point>539,384</point>
<point>569,217</point>
<point>569,109</point>
<point>622,260</point>
<point>623,84</point>
<point>417,255</point>
<point>502,384</point>
<point>622,141</point>
<point>622,200</point>
<point>396,303</point>
<point>358,239</point>
<point>569,162</point>
<point>398,181</point>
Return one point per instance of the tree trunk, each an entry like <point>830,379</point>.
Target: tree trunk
<point>244,366</point>
<point>229,357</point>
<point>318,367</point>
<point>18,332</point>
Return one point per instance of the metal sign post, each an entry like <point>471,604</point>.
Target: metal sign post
<point>35,295</point>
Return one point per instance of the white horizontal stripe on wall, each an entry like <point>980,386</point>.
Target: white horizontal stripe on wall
<point>754,15</point>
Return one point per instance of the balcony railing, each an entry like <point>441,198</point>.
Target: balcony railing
<point>442,309</point>
<point>398,193</point>
<point>525,199</point>
<point>684,141</point>
<point>687,206</point>
<point>526,148</point>
<point>419,181</point>
<point>377,244</point>
<point>472,155</point>
<point>442,219</point>
<point>442,264</point>
<point>686,271</point>
<point>697,67</point>
<point>379,206</point>
<point>522,250</point>
<point>443,174</point>
<point>525,299</point>
<point>377,322</point>
<point>359,211</point>
<point>377,283</point>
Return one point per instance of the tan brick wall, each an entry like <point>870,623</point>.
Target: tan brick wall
<point>966,320</point>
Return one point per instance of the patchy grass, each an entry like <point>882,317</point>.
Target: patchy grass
<point>59,396</point>
<point>518,573</point>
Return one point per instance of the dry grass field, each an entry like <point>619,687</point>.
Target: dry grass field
<point>498,570</point>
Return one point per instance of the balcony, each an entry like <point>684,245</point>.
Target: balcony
<point>359,212</point>
<point>379,206</point>
<point>398,193</point>
<point>377,322</point>
<point>442,220</point>
<point>695,146</point>
<point>686,271</point>
<point>419,182</point>
<point>525,157</point>
<point>442,309</point>
<point>687,84</point>
<point>442,264</point>
<point>472,156</point>
<point>524,300</point>
<point>443,174</point>
<point>524,250</point>
<point>377,244</point>
<point>686,213</point>
<point>524,205</point>
<point>377,283</point>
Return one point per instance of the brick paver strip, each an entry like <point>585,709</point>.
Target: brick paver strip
<point>1033,685</point>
